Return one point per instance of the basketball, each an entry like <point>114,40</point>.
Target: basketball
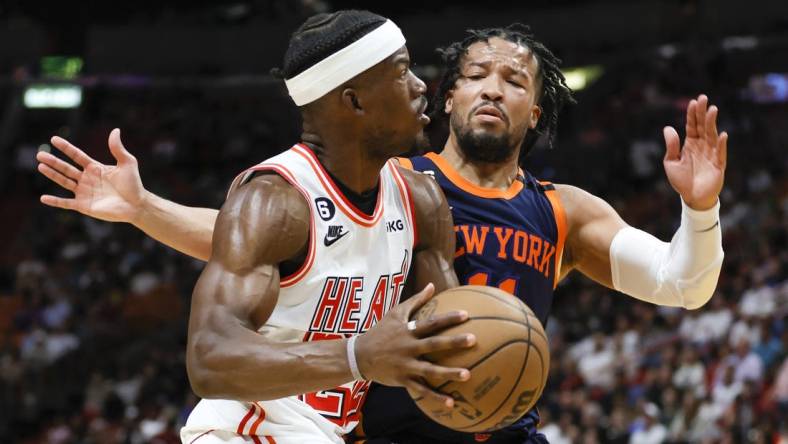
<point>509,362</point>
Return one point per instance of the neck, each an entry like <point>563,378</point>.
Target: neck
<point>488,175</point>
<point>342,155</point>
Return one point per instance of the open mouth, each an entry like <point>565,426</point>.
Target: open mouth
<point>421,113</point>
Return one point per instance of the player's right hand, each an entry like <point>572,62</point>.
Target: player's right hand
<point>112,193</point>
<point>389,353</point>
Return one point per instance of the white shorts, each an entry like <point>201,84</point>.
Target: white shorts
<point>280,421</point>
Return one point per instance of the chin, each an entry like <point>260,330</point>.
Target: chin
<point>486,131</point>
<point>422,141</point>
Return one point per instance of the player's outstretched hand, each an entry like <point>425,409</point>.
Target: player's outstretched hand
<point>389,352</point>
<point>697,170</point>
<point>108,192</point>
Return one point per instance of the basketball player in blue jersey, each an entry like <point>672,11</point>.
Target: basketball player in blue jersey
<point>501,90</point>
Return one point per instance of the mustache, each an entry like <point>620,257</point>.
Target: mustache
<point>494,105</point>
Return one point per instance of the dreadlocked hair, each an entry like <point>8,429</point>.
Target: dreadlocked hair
<point>322,35</point>
<point>552,96</point>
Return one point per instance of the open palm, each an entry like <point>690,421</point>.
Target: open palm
<point>108,192</point>
<point>697,170</point>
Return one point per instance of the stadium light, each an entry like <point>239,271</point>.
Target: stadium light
<point>581,77</point>
<point>53,96</point>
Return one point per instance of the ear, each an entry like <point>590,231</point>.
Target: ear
<point>449,102</point>
<point>351,101</point>
<point>536,112</point>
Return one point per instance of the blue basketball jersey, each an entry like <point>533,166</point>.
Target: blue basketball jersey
<point>510,239</point>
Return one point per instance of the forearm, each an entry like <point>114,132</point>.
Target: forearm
<point>186,229</point>
<point>238,363</point>
<point>681,273</point>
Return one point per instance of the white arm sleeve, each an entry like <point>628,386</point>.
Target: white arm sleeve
<point>682,273</point>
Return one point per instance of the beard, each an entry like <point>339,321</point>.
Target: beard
<point>482,147</point>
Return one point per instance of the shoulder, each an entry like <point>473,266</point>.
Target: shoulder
<point>427,194</point>
<point>580,205</point>
<point>265,220</point>
<point>433,217</point>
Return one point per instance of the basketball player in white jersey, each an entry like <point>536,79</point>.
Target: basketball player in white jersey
<point>312,248</point>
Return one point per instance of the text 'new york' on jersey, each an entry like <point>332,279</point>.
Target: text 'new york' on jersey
<point>512,239</point>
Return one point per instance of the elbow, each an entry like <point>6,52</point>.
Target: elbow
<point>697,295</point>
<point>201,366</point>
<point>697,301</point>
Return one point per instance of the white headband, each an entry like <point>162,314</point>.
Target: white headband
<point>345,64</point>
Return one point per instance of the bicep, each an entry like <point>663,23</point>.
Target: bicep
<point>433,259</point>
<point>260,226</point>
<point>593,224</point>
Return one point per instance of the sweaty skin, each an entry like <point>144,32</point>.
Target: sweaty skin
<point>241,282</point>
<point>497,72</point>
<point>504,75</point>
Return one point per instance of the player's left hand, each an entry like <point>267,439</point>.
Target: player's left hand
<point>697,170</point>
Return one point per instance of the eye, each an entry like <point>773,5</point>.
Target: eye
<point>515,83</point>
<point>475,76</point>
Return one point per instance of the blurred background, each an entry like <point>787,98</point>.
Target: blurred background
<point>93,314</point>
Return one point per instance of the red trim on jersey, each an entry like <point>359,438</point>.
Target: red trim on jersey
<point>256,440</point>
<point>242,424</point>
<point>256,423</point>
<point>201,435</point>
<point>292,279</point>
<point>407,199</point>
<point>345,205</point>
<point>270,439</point>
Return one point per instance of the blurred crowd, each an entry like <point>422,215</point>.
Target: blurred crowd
<point>93,314</point>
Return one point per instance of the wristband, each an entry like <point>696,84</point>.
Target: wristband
<point>351,359</point>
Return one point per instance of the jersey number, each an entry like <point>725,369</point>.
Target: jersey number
<point>340,405</point>
<point>508,285</point>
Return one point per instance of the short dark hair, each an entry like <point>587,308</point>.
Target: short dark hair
<point>322,35</point>
<point>554,92</point>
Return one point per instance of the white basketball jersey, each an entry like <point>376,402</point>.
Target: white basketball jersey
<point>354,272</point>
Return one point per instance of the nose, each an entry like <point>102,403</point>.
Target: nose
<point>491,88</point>
<point>419,87</point>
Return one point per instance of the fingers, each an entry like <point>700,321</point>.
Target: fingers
<point>73,153</point>
<point>438,343</point>
<point>417,300</point>
<point>722,150</point>
<point>117,149</point>
<point>58,202</point>
<point>59,165</point>
<point>436,323</point>
<point>419,391</point>
<point>700,115</point>
<point>672,143</point>
<point>691,128</point>
<point>438,375</point>
<point>56,177</point>
<point>711,127</point>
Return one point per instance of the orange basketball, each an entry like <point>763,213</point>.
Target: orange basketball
<point>508,364</point>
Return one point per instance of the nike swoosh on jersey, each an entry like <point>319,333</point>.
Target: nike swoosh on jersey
<point>328,241</point>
